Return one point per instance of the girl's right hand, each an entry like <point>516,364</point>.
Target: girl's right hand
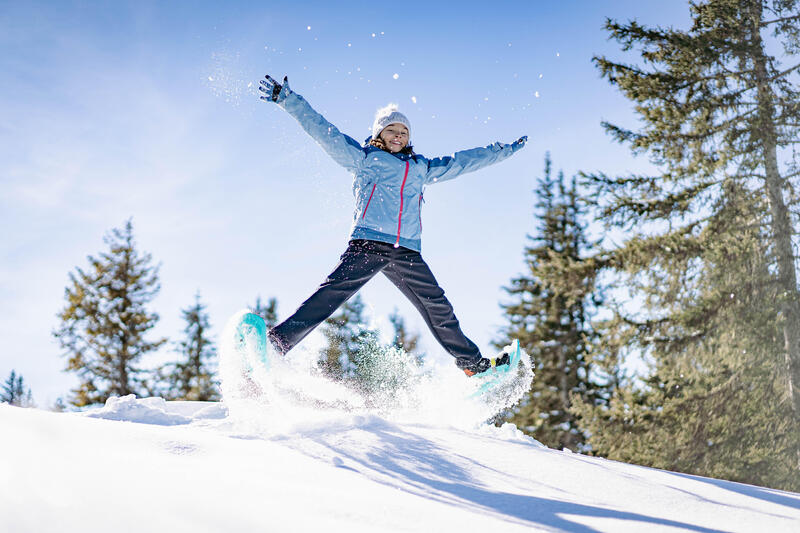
<point>519,143</point>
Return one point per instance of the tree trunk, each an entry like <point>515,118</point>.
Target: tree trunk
<point>781,224</point>
<point>122,367</point>
<point>563,392</point>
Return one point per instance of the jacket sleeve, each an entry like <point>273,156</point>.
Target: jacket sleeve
<point>448,167</point>
<point>342,148</point>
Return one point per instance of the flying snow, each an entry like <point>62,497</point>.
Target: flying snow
<point>227,78</point>
<point>391,384</point>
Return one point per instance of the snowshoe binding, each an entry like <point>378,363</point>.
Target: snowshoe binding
<point>496,373</point>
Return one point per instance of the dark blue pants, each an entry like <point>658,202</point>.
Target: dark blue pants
<point>406,269</point>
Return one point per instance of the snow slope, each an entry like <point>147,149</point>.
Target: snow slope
<point>149,465</point>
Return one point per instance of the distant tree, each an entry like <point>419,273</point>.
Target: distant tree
<point>192,378</point>
<point>59,406</point>
<point>552,303</point>
<point>105,320</point>
<point>404,340</point>
<point>346,332</point>
<point>268,312</point>
<point>14,392</point>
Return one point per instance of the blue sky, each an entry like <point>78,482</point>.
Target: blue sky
<point>149,110</point>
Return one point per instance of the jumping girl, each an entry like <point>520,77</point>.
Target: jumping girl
<point>388,182</point>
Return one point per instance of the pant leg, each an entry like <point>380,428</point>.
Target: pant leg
<point>357,265</point>
<point>411,275</point>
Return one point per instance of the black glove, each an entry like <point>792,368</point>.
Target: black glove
<point>519,143</point>
<point>272,88</point>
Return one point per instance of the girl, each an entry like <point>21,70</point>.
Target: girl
<point>388,182</point>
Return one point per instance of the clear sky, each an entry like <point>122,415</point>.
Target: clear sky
<point>111,110</point>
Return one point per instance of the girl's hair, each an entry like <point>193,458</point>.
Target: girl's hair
<point>407,150</point>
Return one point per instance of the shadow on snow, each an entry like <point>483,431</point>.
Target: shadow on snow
<point>417,465</point>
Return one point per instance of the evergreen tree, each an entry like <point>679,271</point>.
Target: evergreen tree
<point>403,340</point>
<point>346,332</point>
<point>550,317</point>
<point>709,257</point>
<point>58,406</point>
<point>14,392</point>
<point>268,312</point>
<point>105,320</point>
<point>193,378</point>
<point>712,403</point>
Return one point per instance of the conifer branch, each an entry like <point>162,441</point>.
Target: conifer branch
<point>784,73</point>
<point>782,19</point>
<point>793,174</point>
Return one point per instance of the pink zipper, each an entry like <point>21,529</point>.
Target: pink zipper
<point>419,210</point>
<point>368,201</point>
<point>400,218</point>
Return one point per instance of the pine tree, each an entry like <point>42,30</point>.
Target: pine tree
<point>709,255</point>
<point>192,378</point>
<point>346,332</point>
<point>58,406</point>
<point>712,403</point>
<point>105,320</point>
<point>403,340</point>
<point>550,317</point>
<point>268,312</point>
<point>14,392</point>
<point>381,372</point>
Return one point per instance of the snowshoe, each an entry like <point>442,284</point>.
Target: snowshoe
<point>251,341</point>
<point>497,373</point>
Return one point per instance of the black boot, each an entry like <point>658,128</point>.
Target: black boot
<point>483,364</point>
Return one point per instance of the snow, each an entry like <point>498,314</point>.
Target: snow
<point>290,451</point>
<point>337,470</point>
<point>155,411</point>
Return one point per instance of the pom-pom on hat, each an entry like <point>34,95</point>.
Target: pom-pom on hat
<point>389,115</point>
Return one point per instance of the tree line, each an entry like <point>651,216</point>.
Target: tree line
<point>105,325</point>
<point>15,393</point>
<point>105,328</point>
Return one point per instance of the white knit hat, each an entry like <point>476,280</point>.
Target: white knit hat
<point>389,115</point>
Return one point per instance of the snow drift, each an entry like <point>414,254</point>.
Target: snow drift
<point>291,451</point>
<point>191,466</point>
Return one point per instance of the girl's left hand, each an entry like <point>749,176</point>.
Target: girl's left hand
<point>271,88</point>
<point>519,143</point>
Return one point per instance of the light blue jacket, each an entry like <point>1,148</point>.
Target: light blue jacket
<point>388,188</point>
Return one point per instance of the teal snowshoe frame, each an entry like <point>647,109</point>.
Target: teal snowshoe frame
<point>495,376</point>
<point>252,332</point>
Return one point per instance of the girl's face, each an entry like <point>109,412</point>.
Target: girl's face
<point>395,137</point>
